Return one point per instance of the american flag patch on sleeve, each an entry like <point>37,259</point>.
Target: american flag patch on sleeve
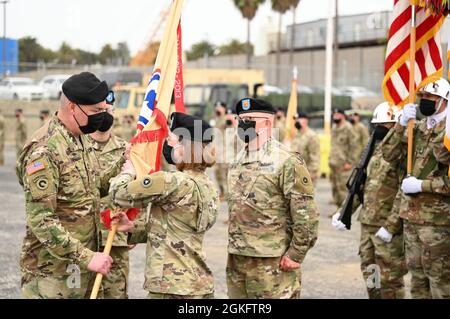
<point>35,167</point>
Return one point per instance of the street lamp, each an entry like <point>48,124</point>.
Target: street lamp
<point>4,2</point>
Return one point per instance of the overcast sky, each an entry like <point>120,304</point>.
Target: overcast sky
<point>89,24</point>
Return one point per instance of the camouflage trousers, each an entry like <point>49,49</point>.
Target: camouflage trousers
<point>62,287</point>
<point>221,171</point>
<point>338,179</point>
<point>428,259</point>
<point>153,295</point>
<point>115,284</point>
<point>260,278</point>
<point>382,264</point>
<point>2,153</point>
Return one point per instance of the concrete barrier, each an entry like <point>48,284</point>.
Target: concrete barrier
<point>31,112</point>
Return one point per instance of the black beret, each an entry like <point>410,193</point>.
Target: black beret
<point>197,129</point>
<point>85,89</point>
<point>220,103</point>
<point>302,115</point>
<point>339,111</point>
<point>248,105</point>
<point>45,111</point>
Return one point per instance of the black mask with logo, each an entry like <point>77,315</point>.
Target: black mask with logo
<point>107,123</point>
<point>246,130</point>
<point>380,132</point>
<point>93,124</point>
<point>167,152</point>
<point>427,107</point>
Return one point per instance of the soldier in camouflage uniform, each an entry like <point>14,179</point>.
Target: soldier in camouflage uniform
<point>184,206</point>
<point>21,131</point>
<point>128,128</point>
<point>425,200</point>
<point>361,132</point>
<point>110,150</point>
<point>44,116</point>
<point>280,125</point>
<point>343,155</point>
<point>306,143</point>
<point>221,167</point>
<point>273,218</point>
<point>2,140</point>
<point>381,228</point>
<point>62,192</point>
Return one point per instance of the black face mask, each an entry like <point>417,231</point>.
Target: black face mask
<point>167,152</point>
<point>427,107</point>
<point>380,132</point>
<point>218,113</point>
<point>246,130</point>
<point>278,117</point>
<point>41,117</point>
<point>229,122</point>
<point>93,124</point>
<point>352,121</point>
<point>298,126</point>
<point>337,121</point>
<point>107,123</point>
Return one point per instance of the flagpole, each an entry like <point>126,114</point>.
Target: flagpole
<point>328,68</point>
<point>412,91</point>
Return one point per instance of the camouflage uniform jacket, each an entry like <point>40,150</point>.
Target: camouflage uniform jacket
<point>109,154</point>
<point>271,204</point>
<point>184,207</point>
<point>432,205</point>
<point>343,141</point>
<point>362,135</point>
<point>308,145</point>
<point>57,172</point>
<point>380,189</point>
<point>21,132</point>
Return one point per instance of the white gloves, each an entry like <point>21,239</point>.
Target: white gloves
<point>409,113</point>
<point>337,223</point>
<point>384,235</point>
<point>411,185</point>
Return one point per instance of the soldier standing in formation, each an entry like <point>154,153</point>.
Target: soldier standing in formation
<point>280,125</point>
<point>306,142</point>
<point>221,167</point>
<point>110,151</point>
<point>184,206</point>
<point>21,131</point>
<point>44,116</point>
<point>425,201</point>
<point>342,156</point>
<point>273,218</point>
<point>361,132</point>
<point>381,245</point>
<point>57,171</point>
<point>2,140</point>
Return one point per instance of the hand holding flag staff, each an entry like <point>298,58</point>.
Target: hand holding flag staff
<point>413,41</point>
<point>152,127</point>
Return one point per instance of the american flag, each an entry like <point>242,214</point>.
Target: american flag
<point>428,64</point>
<point>148,105</point>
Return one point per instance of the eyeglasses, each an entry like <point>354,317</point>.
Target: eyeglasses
<point>247,119</point>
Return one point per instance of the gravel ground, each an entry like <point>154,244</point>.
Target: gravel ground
<point>330,270</point>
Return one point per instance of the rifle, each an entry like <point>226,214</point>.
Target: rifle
<point>355,184</point>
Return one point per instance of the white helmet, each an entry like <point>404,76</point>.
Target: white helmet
<point>385,113</point>
<point>440,88</point>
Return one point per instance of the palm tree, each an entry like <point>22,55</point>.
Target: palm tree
<point>248,10</point>
<point>280,6</point>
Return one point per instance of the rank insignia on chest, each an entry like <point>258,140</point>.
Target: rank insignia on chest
<point>35,167</point>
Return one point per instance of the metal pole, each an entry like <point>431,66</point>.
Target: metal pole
<point>328,68</point>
